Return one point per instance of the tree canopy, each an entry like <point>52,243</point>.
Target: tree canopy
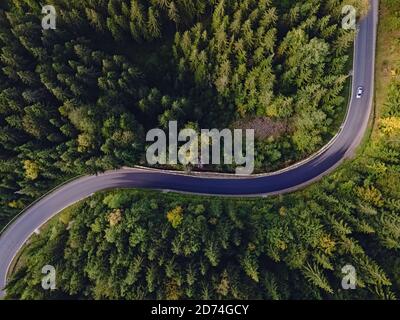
<point>79,99</point>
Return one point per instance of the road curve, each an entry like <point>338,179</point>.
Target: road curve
<point>350,136</point>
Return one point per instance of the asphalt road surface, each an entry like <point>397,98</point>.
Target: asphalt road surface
<point>344,146</point>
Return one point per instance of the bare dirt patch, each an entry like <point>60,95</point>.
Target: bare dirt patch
<point>264,127</point>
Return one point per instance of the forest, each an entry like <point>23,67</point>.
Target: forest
<point>79,99</point>
<point>132,244</point>
<point>136,244</point>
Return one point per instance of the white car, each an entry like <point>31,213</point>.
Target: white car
<point>360,91</point>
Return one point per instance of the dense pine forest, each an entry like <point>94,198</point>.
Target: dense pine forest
<point>146,245</point>
<point>79,99</point>
<point>133,244</point>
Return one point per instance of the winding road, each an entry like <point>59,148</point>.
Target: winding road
<point>298,176</point>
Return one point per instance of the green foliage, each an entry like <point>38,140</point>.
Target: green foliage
<point>122,245</point>
<point>78,100</point>
<point>71,104</point>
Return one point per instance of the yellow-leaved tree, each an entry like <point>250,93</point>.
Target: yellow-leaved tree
<point>175,216</point>
<point>31,169</point>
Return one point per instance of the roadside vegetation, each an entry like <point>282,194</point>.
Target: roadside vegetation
<point>79,99</point>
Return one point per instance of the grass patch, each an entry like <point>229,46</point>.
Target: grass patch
<point>388,53</point>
